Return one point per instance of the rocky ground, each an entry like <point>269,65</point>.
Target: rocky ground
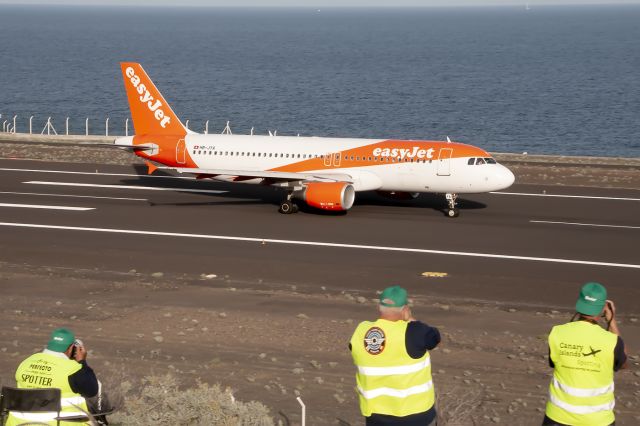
<point>273,342</point>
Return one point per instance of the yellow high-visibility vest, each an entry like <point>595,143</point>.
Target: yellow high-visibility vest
<point>581,391</point>
<point>388,380</point>
<point>45,370</point>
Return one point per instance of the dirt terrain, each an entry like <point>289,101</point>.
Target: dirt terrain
<point>274,341</point>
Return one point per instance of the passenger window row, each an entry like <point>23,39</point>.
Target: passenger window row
<point>255,154</point>
<point>309,156</point>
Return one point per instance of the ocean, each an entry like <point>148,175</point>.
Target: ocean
<point>550,80</point>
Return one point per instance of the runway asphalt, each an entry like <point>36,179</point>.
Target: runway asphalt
<point>530,245</point>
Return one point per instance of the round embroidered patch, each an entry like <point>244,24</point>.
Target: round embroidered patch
<point>374,340</point>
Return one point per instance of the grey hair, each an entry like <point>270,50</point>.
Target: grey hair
<point>390,310</point>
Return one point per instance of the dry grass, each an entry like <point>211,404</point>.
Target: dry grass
<point>458,405</point>
<point>161,400</point>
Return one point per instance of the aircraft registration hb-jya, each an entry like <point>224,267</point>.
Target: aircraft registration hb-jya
<point>325,173</point>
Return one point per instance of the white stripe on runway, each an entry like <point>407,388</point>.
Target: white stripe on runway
<point>318,244</point>
<point>74,196</point>
<point>597,225</point>
<point>591,197</point>
<point>39,206</point>
<point>67,172</point>
<point>148,188</point>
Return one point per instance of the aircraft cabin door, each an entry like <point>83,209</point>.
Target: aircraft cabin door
<point>181,152</point>
<point>444,161</point>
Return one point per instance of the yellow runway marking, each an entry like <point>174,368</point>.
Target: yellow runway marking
<point>435,274</point>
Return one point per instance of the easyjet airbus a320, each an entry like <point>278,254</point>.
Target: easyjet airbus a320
<point>325,173</point>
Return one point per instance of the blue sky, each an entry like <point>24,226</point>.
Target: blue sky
<point>320,3</point>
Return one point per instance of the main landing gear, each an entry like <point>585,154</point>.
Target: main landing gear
<point>451,201</point>
<point>288,206</point>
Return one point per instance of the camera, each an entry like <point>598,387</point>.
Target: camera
<point>76,344</point>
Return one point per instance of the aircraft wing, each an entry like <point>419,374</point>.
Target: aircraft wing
<point>255,174</point>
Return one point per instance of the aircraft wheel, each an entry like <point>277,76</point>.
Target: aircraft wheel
<point>453,213</point>
<point>287,207</point>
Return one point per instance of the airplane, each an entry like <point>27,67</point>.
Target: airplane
<point>324,173</point>
<point>593,352</point>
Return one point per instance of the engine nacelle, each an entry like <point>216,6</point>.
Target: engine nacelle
<point>399,195</point>
<point>335,196</point>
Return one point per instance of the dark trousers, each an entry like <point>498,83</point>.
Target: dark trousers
<point>428,418</point>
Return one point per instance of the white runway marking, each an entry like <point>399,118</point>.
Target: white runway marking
<point>39,206</point>
<point>597,225</point>
<point>67,172</point>
<point>147,188</point>
<point>319,244</point>
<point>74,196</point>
<point>591,197</point>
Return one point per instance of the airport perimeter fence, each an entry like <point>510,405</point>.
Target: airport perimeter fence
<point>10,124</point>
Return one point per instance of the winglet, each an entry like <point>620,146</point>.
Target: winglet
<point>151,167</point>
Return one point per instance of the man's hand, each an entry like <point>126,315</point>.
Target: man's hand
<point>609,310</point>
<point>407,315</point>
<point>81,353</point>
<point>610,316</point>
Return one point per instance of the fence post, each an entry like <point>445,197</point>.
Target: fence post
<point>14,124</point>
<point>206,127</point>
<point>66,126</point>
<point>186,124</point>
<point>4,125</point>
<point>126,127</point>
<point>303,415</point>
<point>106,127</point>
<point>86,126</point>
<point>30,124</point>
<point>252,131</point>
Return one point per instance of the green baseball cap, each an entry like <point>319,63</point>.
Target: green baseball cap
<point>61,339</point>
<point>593,297</point>
<point>393,297</point>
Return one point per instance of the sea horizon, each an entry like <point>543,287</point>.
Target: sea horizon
<point>550,80</point>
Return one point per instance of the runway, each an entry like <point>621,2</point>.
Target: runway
<point>530,245</point>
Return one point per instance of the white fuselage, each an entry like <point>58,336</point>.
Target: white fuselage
<point>415,166</point>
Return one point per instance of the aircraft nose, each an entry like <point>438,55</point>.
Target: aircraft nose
<point>505,177</point>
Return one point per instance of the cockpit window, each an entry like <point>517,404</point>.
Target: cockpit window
<point>471,161</point>
<point>490,160</point>
<point>480,161</point>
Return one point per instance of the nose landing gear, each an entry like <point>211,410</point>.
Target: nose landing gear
<point>451,201</point>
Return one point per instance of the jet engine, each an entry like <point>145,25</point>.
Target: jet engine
<point>334,196</point>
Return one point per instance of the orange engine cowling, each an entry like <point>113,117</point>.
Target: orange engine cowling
<point>336,196</point>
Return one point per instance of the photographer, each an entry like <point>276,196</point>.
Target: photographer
<point>393,364</point>
<point>62,364</point>
<point>584,357</point>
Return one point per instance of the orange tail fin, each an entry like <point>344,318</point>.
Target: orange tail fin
<point>151,114</point>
